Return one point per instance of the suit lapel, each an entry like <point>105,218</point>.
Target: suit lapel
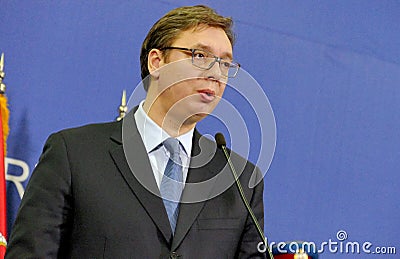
<point>189,210</point>
<point>133,163</point>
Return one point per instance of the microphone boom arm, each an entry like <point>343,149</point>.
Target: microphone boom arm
<point>220,139</point>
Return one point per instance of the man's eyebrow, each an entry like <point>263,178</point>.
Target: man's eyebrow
<point>207,48</point>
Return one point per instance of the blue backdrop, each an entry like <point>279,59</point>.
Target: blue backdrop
<point>331,70</point>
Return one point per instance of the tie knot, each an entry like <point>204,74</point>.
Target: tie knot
<point>172,145</point>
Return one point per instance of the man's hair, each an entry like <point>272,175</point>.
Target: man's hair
<point>167,29</point>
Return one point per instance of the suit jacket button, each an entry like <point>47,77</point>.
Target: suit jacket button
<point>174,255</point>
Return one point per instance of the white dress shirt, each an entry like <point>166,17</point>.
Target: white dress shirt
<point>153,137</point>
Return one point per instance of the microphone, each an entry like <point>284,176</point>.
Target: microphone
<point>221,143</point>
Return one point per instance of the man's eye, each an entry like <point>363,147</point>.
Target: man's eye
<point>199,55</point>
<point>226,64</point>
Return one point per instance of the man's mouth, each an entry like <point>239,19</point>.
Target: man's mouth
<point>207,92</point>
<point>207,95</point>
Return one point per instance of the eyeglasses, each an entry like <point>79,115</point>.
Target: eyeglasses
<point>206,60</point>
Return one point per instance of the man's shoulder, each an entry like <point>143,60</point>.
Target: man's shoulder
<point>92,127</point>
<point>249,173</point>
<point>89,132</point>
<point>237,159</point>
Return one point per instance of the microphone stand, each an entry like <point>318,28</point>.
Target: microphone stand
<point>220,139</point>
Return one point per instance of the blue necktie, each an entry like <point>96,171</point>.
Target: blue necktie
<point>171,185</point>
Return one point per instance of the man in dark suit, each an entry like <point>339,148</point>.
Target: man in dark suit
<point>105,190</point>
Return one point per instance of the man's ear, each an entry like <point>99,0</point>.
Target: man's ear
<point>154,62</point>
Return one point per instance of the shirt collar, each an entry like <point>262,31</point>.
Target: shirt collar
<point>153,135</point>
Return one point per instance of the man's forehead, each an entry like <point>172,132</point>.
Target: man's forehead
<point>209,43</point>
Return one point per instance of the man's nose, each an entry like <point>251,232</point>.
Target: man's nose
<point>214,72</point>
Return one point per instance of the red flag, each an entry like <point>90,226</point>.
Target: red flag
<point>3,201</point>
<point>4,114</point>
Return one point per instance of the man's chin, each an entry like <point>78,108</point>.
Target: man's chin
<point>197,117</point>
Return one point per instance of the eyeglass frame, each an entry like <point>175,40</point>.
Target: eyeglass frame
<point>216,59</point>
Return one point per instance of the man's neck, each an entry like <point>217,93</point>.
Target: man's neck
<point>169,123</point>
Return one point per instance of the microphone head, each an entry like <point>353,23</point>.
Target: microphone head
<point>220,139</point>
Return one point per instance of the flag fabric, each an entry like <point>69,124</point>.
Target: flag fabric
<point>4,114</point>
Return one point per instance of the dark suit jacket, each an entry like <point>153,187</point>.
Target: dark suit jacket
<point>84,201</point>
